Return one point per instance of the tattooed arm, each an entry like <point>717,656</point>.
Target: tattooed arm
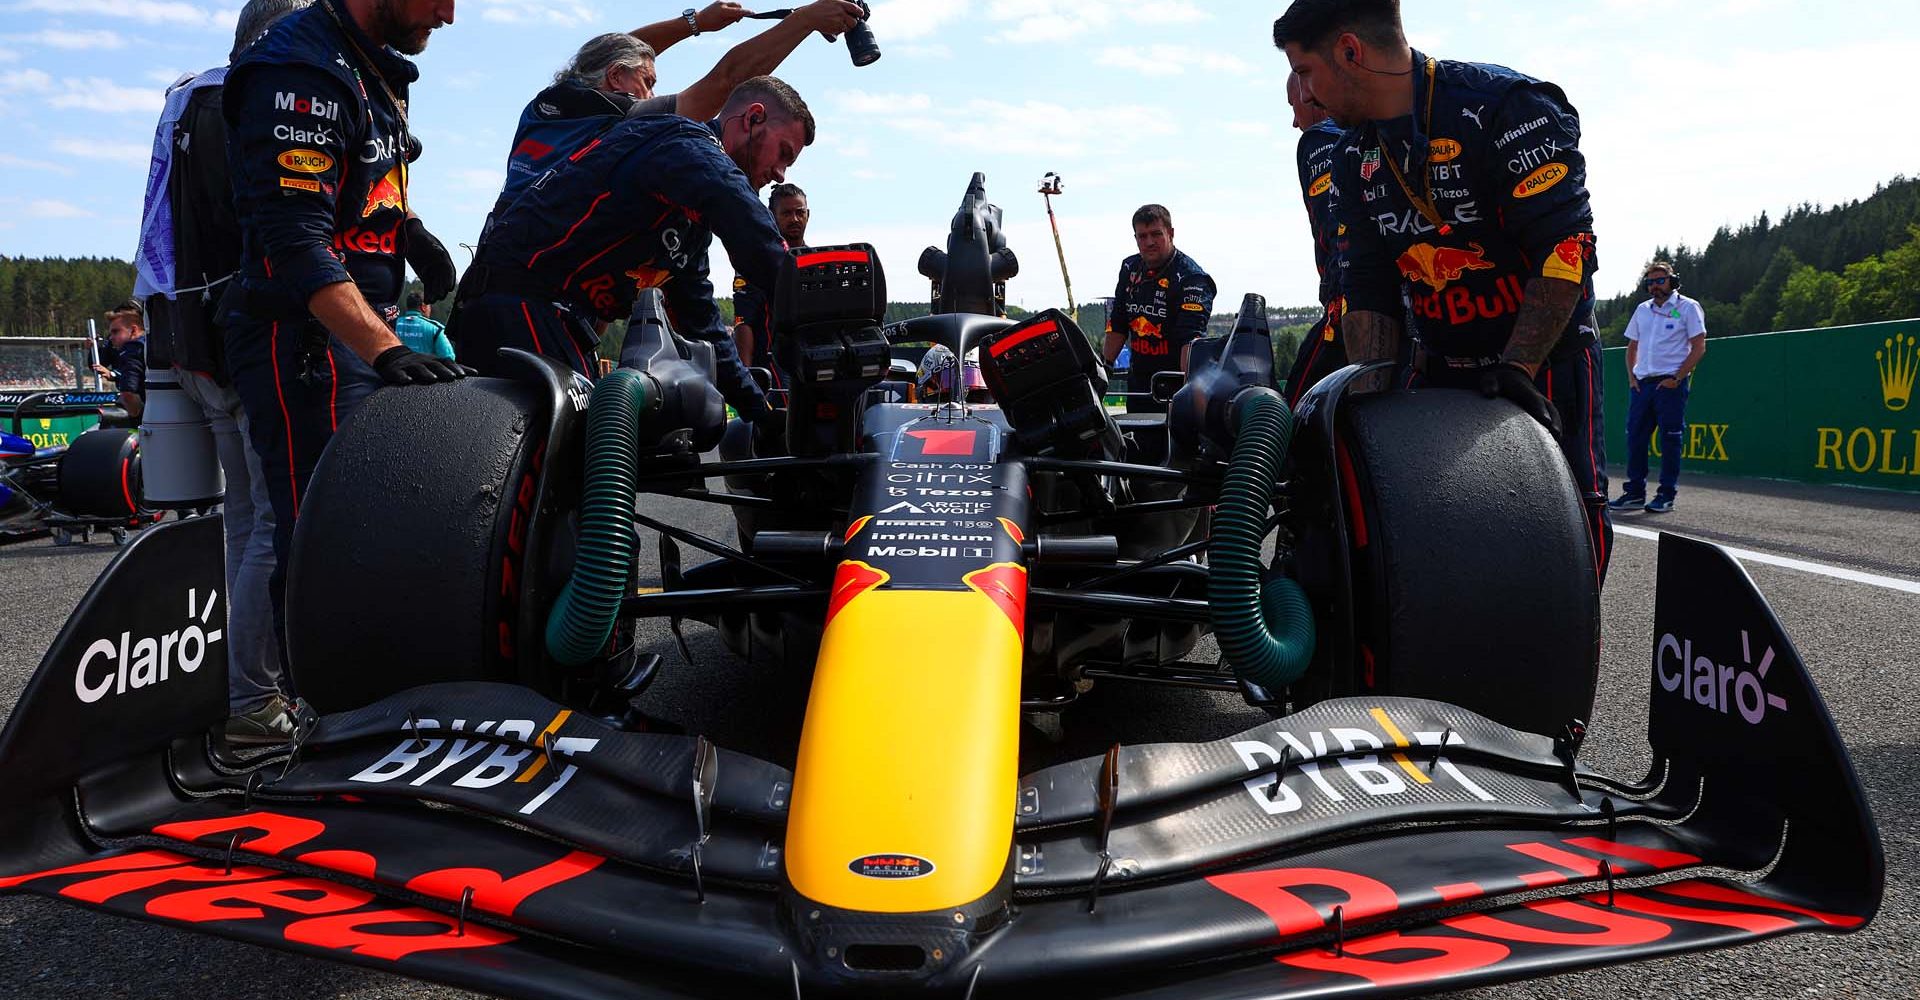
<point>1543,315</point>
<point>1370,336</point>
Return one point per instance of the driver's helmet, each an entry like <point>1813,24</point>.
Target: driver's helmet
<point>939,374</point>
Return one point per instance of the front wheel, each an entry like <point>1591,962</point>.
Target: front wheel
<point>411,548</point>
<point>1473,569</point>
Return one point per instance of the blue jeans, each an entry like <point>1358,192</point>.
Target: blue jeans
<point>1648,406</point>
<point>253,651</point>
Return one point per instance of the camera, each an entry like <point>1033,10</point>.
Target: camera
<point>860,44</point>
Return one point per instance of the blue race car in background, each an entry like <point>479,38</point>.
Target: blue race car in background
<point>67,489</point>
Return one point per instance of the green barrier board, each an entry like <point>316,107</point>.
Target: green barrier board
<point>1819,406</point>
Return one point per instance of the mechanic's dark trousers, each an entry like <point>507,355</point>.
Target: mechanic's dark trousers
<point>495,320</point>
<point>1647,406</point>
<point>1320,354</point>
<point>298,386</point>
<point>1571,380</point>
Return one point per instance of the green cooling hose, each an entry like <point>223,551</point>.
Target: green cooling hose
<point>582,619</point>
<point>1263,622</point>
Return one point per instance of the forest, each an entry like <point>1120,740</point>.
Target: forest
<point>1852,263</point>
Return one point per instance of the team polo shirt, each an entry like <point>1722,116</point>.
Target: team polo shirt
<point>1663,333</point>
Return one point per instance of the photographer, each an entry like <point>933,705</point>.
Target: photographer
<point>124,362</point>
<point>612,77</point>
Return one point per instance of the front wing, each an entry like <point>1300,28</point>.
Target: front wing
<point>480,836</point>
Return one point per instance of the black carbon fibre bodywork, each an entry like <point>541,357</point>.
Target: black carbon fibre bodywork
<point>481,835</point>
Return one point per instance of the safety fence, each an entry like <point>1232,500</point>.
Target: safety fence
<point>1832,405</point>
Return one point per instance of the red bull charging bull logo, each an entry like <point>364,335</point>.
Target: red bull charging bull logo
<point>1438,267</point>
<point>388,192</point>
<point>852,579</point>
<point>1005,584</point>
<point>645,277</point>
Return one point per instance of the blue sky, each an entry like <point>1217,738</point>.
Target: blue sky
<point>1696,115</point>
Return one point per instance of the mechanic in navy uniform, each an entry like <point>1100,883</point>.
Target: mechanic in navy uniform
<point>1161,304</point>
<point>638,209</point>
<point>124,362</point>
<point>612,77</point>
<point>1319,353</point>
<point>752,314</point>
<point>1464,183</point>
<point>317,145</point>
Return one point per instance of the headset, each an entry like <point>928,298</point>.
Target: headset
<point>1354,58</point>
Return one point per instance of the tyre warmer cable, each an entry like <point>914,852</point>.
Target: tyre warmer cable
<point>1261,617</point>
<point>582,620</point>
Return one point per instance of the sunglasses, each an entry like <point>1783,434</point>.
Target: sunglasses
<point>1657,281</point>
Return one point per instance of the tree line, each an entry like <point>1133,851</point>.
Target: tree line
<point>1852,263</point>
<point>55,296</point>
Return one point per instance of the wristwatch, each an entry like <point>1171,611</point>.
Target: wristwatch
<point>693,20</point>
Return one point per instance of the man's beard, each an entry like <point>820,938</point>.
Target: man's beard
<point>749,164</point>
<point>405,39</point>
<point>796,235</point>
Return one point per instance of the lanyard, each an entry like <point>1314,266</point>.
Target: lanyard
<point>399,106</point>
<point>1423,201</point>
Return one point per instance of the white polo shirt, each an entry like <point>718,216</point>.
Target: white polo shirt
<point>1663,333</point>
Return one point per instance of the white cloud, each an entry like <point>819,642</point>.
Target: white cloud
<point>852,149</point>
<point>561,13</point>
<point>99,94</point>
<point>8,55</point>
<point>103,149</point>
<point>1042,21</point>
<point>164,77</point>
<point>1167,12</point>
<point>148,11</point>
<point>871,175</point>
<point>59,38</point>
<point>50,208</point>
<point>938,50</point>
<point>907,20</point>
<point>25,81</point>
<point>1170,60</point>
<point>1035,126</point>
<point>860,102</point>
<point>23,163</point>
<point>1256,129</point>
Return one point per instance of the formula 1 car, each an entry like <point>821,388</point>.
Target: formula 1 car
<point>1405,584</point>
<point>66,489</point>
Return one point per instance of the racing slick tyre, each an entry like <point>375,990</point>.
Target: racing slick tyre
<point>100,474</point>
<point>401,547</point>
<point>1475,579</point>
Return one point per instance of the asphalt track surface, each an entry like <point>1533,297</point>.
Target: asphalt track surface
<point>1859,640</point>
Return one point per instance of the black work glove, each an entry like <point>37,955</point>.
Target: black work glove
<point>401,365</point>
<point>430,260</point>
<point>1512,382</point>
<point>757,412</point>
